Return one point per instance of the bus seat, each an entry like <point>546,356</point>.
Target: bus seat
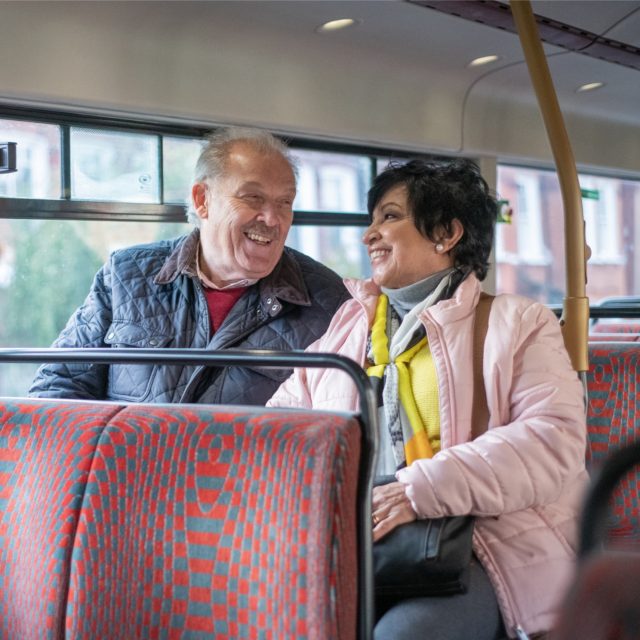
<point>178,521</point>
<point>614,337</point>
<point>626,331</point>
<point>590,612</point>
<point>613,421</point>
<point>46,451</point>
<point>604,600</point>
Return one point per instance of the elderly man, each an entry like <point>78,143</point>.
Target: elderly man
<point>229,283</point>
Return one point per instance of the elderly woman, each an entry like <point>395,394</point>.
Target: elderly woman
<point>429,241</point>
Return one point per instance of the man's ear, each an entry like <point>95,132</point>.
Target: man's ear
<point>199,198</point>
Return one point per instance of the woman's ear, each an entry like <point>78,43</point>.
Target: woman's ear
<point>451,239</point>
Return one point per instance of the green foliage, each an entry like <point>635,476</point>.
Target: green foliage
<point>53,271</point>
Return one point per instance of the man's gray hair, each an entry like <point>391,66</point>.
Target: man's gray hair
<point>213,158</point>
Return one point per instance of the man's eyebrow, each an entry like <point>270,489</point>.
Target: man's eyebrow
<point>256,184</point>
<point>251,184</point>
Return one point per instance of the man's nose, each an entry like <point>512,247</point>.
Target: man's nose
<point>269,212</point>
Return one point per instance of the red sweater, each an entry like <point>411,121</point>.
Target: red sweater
<point>220,303</point>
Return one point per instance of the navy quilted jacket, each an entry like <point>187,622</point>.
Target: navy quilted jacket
<point>150,296</point>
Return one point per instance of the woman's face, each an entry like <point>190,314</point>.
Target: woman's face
<point>400,255</point>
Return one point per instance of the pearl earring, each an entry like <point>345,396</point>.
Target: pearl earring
<point>439,247</point>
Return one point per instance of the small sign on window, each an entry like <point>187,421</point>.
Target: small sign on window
<point>505,212</point>
<point>8,157</point>
<point>590,194</point>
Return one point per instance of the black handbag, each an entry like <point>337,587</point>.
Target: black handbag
<point>424,557</point>
<point>432,557</point>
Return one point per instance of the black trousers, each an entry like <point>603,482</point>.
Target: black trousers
<point>473,615</point>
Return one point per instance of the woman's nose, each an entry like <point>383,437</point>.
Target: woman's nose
<point>370,234</point>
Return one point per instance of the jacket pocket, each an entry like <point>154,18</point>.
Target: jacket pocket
<point>132,382</point>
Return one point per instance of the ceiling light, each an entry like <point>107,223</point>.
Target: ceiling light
<point>335,25</point>
<point>478,62</point>
<point>590,86</point>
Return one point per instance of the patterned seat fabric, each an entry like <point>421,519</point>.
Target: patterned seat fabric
<point>46,450</point>
<point>609,331</point>
<point>614,337</point>
<point>166,521</point>
<point>613,420</point>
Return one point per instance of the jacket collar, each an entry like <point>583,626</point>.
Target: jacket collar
<point>461,304</point>
<point>366,292</point>
<point>181,261</point>
<point>285,282</point>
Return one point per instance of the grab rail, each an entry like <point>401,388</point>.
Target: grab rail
<point>575,317</point>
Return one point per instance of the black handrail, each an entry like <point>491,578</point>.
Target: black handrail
<point>612,311</point>
<point>262,358</point>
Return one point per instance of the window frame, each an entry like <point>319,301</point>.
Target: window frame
<point>605,243</point>
<point>68,208</point>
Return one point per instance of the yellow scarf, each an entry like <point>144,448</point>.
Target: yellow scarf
<point>417,387</point>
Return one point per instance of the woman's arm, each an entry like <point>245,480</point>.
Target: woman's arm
<point>538,450</point>
<point>328,389</point>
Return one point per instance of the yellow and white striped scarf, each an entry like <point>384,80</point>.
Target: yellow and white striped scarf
<point>410,392</point>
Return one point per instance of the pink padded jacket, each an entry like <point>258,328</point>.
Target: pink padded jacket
<point>525,477</point>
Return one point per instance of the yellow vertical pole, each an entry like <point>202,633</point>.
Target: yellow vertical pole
<point>575,314</point>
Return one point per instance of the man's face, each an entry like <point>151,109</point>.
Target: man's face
<point>245,215</point>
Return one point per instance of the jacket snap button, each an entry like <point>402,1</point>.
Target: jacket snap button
<point>153,342</point>
<point>274,307</point>
<point>111,336</point>
<point>269,300</point>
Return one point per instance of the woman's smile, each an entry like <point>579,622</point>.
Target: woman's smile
<point>400,255</point>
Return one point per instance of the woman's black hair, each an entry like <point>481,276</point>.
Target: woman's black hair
<point>439,192</point>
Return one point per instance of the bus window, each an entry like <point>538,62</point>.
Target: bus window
<point>38,156</point>
<point>340,248</point>
<point>46,268</point>
<point>114,166</point>
<point>530,250</point>
<point>179,156</point>
<point>332,181</point>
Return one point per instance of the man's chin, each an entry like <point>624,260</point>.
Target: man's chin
<point>259,264</point>
<point>256,272</point>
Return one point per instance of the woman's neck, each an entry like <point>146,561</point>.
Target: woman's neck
<point>405,298</point>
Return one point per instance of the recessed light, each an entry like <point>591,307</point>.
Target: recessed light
<point>336,25</point>
<point>478,62</point>
<point>590,86</point>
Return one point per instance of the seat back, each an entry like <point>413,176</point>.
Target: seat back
<point>46,453</point>
<point>589,610</point>
<point>209,522</point>
<point>605,330</point>
<point>613,421</point>
<point>614,337</point>
<point>610,527</point>
<point>152,521</point>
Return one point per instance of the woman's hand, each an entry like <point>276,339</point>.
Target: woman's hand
<point>390,508</point>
